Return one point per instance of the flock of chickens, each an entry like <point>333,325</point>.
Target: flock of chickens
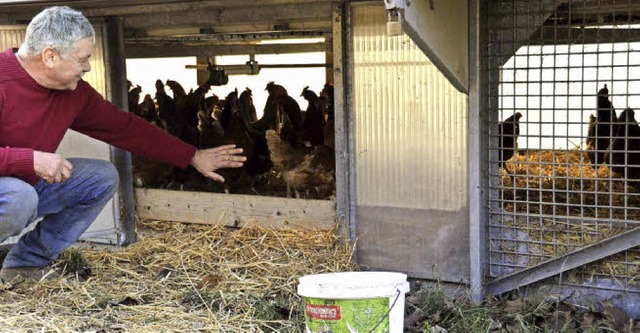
<point>610,139</point>
<point>297,145</point>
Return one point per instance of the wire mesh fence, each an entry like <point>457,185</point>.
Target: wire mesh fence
<point>562,81</point>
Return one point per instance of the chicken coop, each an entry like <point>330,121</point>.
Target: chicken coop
<point>399,178</point>
<point>496,151</point>
<point>552,99</point>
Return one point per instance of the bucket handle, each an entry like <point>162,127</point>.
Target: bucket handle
<point>388,312</point>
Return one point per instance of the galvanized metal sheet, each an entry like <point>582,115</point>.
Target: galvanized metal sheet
<point>440,29</point>
<point>410,154</point>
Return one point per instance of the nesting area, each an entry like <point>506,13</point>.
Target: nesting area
<point>564,183</point>
<point>557,203</point>
<point>179,278</point>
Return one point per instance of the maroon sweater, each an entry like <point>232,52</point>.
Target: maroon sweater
<point>36,118</point>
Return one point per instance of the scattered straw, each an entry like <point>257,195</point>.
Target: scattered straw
<point>181,278</point>
<point>578,205</point>
<point>564,183</point>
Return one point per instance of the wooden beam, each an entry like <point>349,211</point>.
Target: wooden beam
<point>136,50</point>
<point>309,26</point>
<point>328,58</point>
<point>235,210</point>
<point>245,37</point>
<point>202,75</point>
<point>258,13</point>
<point>101,8</point>
<point>115,64</point>
<point>343,120</point>
<point>575,259</point>
<point>191,6</point>
<point>37,5</point>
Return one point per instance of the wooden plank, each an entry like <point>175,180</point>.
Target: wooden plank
<point>116,74</point>
<point>344,144</point>
<point>140,50</point>
<point>246,37</point>
<point>187,14</point>
<point>292,12</point>
<point>101,8</point>
<point>319,27</point>
<point>235,210</point>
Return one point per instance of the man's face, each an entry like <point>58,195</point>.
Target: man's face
<point>68,69</point>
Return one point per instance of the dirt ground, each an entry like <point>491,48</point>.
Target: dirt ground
<point>429,309</point>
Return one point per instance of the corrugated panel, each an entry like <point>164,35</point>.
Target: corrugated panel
<point>410,156</point>
<point>97,76</point>
<point>11,37</point>
<point>410,122</point>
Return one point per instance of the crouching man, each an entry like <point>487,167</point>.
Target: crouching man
<point>42,95</point>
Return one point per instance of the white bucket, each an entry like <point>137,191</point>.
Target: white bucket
<point>354,302</point>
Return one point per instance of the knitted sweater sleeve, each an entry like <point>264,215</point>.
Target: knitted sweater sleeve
<point>15,162</point>
<point>102,120</point>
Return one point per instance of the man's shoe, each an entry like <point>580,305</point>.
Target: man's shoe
<point>28,273</point>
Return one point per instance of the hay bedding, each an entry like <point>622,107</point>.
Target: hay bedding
<point>181,278</point>
<point>587,206</point>
<point>563,183</point>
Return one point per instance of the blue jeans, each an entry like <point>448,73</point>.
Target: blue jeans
<point>68,209</point>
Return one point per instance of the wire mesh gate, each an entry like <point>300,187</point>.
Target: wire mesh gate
<point>562,80</point>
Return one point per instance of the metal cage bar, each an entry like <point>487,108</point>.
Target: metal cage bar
<point>560,80</point>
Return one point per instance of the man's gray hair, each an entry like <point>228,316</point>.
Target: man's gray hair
<point>57,27</point>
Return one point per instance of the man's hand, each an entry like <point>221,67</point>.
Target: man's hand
<point>53,168</point>
<point>209,160</point>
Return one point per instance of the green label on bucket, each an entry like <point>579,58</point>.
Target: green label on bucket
<point>347,315</point>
